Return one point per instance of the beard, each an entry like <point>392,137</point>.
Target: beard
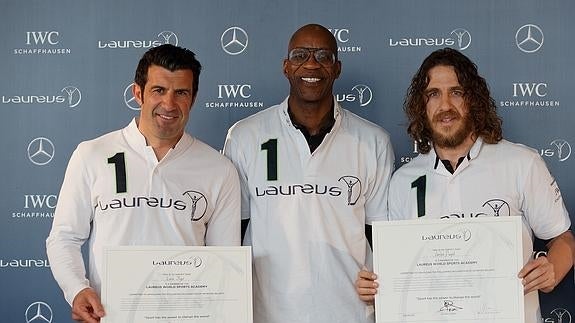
<point>452,136</point>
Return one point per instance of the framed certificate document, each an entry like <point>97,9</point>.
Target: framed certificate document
<point>455,270</point>
<point>177,284</point>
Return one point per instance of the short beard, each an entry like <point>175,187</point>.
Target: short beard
<point>454,140</point>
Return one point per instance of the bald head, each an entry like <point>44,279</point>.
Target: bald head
<point>311,70</point>
<point>316,34</point>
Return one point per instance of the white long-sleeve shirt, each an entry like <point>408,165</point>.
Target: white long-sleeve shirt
<point>503,179</point>
<point>116,193</point>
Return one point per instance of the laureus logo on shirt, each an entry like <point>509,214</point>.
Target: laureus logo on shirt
<point>350,188</point>
<point>196,206</point>
<point>353,188</point>
<point>498,207</point>
<point>142,202</point>
<point>491,207</point>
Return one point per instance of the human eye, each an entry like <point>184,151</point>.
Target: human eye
<point>298,55</point>
<point>182,92</point>
<point>157,90</point>
<point>457,92</point>
<point>324,56</point>
<point>432,94</point>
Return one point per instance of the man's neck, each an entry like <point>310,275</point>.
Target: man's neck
<point>452,154</point>
<point>159,145</point>
<point>311,116</point>
<point>161,151</point>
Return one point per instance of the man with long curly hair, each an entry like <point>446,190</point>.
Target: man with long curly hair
<point>464,164</point>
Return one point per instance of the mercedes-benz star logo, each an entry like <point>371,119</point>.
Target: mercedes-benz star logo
<point>463,38</point>
<point>129,99</point>
<point>364,94</point>
<point>234,40</point>
<point>39,312</point>
<point>529,38</point>
<point>169,37</point>
<point>40,151</point>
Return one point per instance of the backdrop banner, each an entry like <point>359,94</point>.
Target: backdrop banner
<point>68,68</point>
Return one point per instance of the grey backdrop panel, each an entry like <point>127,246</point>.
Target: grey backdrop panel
<point>67,67</point>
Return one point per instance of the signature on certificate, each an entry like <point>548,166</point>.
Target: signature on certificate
<point>448,306</point>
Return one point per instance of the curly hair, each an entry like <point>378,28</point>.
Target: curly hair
<point>482,110</point>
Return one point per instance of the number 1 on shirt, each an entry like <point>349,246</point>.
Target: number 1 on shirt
<point>120,168</point>
<point>419,184</point>
<point>271,147</point>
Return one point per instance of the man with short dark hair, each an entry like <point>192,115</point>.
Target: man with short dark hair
<point>464,163</point>
<point>150,183</point>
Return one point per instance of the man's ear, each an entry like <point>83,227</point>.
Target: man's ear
<point>138,93</point>
<point>285,67</point>
<point>338,68</point>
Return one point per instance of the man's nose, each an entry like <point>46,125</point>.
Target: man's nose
<point>311,62</point>
<point>446,103</point>
<point>169,101</point>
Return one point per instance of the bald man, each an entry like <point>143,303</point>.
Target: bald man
<point>313,175</point>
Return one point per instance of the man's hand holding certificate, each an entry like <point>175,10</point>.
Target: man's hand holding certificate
<point>177,284</point>
<point>449,270</point>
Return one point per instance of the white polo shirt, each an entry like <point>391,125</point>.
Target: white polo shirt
<point>308,212</point>
<point>503,179</point>
<point>116,193</point>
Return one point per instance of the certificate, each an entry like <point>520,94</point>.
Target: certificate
<point>456,270</point>
<point>177,284</point>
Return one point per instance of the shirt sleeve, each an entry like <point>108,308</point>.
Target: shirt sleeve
<point>224,225</point>
<point>70,229</point>
<point>395,202</point>
<point>542,202</point>
<point>235,154</point>
<point>376,204</point>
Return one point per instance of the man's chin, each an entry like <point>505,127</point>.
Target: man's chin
<point>448,142</point>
